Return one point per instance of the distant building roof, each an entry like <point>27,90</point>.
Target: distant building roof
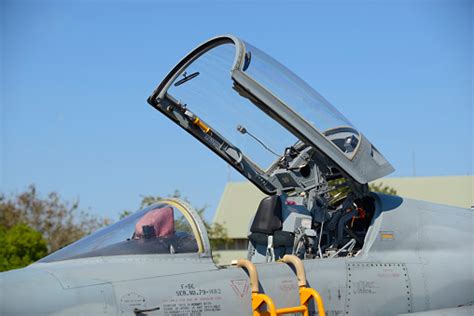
<point>240,199</point>
<point>237,205</point>
<point>449,190</point>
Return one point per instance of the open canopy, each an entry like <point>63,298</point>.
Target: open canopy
<point>253,112</point>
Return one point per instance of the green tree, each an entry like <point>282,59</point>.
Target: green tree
<point>20,246</point>
<point>340,186</point>
<point>381,188</point>
<point>60,222</point>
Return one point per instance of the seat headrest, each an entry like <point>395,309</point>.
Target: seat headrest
<point>268,216</point>
<point>161,220</point>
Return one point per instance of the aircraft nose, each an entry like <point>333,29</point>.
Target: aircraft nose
<point>26,291</point>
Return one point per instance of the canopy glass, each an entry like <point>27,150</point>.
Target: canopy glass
<point>302,99</point>
<point>211,97</point>
<point>250,109</point>
<point>163,228</point>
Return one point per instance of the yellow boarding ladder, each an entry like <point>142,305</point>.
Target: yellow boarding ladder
<point>306,293</point>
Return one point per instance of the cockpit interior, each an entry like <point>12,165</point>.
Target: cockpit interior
<point>283,136</point>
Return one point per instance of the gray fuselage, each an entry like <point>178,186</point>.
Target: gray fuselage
<point>417,256</point>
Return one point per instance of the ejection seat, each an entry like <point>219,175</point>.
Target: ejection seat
<point>268,242</point>
<point>156,223</point>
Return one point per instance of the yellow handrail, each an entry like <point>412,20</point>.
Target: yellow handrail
<point>306,293</point>
<point>253,275</point>
<point>259,299</point>
<point>299,267</point>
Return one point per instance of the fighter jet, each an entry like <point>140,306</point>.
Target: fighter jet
<point>320,243</point>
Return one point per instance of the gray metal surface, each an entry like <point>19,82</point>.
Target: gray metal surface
<point>405,274</point>
<point>457,311</point>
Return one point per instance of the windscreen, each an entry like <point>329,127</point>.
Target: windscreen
<point>302,99</point>
<point>206,88</point>
<point>159,229</point>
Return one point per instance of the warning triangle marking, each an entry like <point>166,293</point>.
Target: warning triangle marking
<point>240,287</point>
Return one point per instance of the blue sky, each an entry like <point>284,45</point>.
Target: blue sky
<point>75,76</point>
